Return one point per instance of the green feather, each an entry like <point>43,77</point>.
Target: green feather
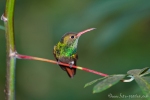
<point>64,50</point>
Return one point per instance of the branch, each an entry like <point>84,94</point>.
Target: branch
<point>19,56</point>
<point>7,17</point>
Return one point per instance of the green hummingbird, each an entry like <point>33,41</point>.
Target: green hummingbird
<point>65,51</point>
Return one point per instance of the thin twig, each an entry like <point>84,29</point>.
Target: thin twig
<point>20,56</point>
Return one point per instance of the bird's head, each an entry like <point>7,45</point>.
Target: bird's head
<point>71,38</point>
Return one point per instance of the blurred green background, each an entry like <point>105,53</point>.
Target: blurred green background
<point>121,42</point>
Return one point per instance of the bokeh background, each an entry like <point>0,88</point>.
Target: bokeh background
<point>121,42</point>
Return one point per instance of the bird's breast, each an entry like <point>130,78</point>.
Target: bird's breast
<point>66,59</point>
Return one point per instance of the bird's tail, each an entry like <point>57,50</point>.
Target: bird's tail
<point>70,71</point>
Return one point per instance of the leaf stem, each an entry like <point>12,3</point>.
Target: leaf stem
<point>20,56</point>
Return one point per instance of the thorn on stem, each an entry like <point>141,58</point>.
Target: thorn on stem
<point>4,18</point>
<point>12,54</point>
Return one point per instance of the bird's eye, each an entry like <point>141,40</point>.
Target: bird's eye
<point>72,37</point>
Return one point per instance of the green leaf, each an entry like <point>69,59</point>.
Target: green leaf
<point>147,78</point>
<point>143,82</point>
<point>139,72</point>
<point>92,82</point>
<point>107,83</point>
<point>145,71</point>
<point>2,27</point>
<point>134,72</point>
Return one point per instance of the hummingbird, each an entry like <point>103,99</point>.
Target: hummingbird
<point>65,51</point>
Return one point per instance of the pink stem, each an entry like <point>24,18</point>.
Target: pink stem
<point>19,56</point>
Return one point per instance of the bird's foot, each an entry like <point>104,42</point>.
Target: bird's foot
<point>71,64</point>
<point>58,62</point>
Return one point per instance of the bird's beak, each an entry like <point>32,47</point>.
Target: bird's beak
<point>87,30</point>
